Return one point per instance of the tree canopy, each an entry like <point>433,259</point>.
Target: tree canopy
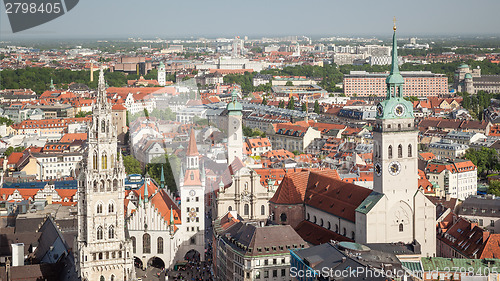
<point>485,159</point>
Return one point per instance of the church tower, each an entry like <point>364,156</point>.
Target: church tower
<point>234,129</point>
<point>396,211</point>
<point>192,189</point>
<point>162,81</point>
<point>102,247</point>
<point>395,139</point>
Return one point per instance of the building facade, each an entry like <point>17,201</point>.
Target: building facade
<point>103,251</point>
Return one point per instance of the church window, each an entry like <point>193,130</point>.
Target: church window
<point>108,185</point>
<point>262,210</point>
<point>111,232</point>
<point>104,162</point>
<point>146,243</point>
<point>390,151</point>
<point>102,278</point>
<point>102,186</point>
<point>409,150</point>
<point>99,233</point>
<point>133,244</point>
<point>115,185</point>
<point>400,151</point>
<point>160,245</point>
<point>112,278</point>
<point>246,210</point>
<point>229,208</point>
<point>95,186</point>
<point>400,227</point>
<point>99,208</point>
<point>283,217</point>
<point>103,126</point>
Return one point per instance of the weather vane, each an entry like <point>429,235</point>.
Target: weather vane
<point>394,20</point>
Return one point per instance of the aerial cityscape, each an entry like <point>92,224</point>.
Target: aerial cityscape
<point>183,153</point>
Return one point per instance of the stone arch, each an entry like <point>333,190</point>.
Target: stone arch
<point>229,208</point>
<point>192,255</point>
<point>401,227</point>
<point>156,262</point>
<point>283,217</point>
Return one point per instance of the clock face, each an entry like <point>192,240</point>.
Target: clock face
<point>192,214</point>
<point>399,110</point>
<point>394,168</point>
<point>380,110</point>
<point>378,169</point>
<point>192,192</point>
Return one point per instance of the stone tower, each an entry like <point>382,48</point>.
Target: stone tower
<point>234,129</point>
<point>103,250</point>
<point>162,81</point>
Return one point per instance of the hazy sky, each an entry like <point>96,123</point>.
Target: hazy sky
<point>255,18</point>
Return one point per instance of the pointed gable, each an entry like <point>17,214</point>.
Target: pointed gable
<point>192,149</point>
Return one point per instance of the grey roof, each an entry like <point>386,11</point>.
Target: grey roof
<point>480,206</point>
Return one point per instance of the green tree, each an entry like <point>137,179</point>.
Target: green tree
<point>146,113</point>
<point>291,103</point>
<point>11,149</point>
<point>317,109</point>
<point>494,187</point>
<point>485,159</point>
<point>289,83</point>
<point>296,152</point>
<point>132,165</point>
<point>83,114</point>
<point>171,166</point>
<point>264,101</point>
<point>281,104</point>
<point>304,107</point>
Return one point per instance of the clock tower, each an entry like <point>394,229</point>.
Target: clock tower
<point>192,189</point>
<point>395,140</point>
<point>234,129</point>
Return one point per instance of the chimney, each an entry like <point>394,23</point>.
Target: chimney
<point>344,259</point>
<point>448,197</point>
<point>17,254</point>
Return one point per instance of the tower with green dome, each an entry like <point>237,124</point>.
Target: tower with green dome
<point>234,129</point>
<point>395,138</point>
<point>162,78</point>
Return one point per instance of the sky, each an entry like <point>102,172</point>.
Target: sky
<point>112,19</point>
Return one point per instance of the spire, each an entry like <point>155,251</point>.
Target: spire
<point>52,87</point>
<point>172,222</point>
<point>101,88</point>
<point>394,81</point>
<point>192,150</point>
<point>146,189</point>
<point>162,178</point>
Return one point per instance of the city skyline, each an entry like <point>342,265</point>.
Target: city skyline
<point>92,19</point>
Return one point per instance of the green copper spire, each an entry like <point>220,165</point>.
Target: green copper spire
<point>394,81</point>
<point>234,106</point>
<point>162,179</point>
<point>52,87</point>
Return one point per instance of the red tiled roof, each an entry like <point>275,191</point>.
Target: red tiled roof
<point>492,248</point>
<point>192,149</point>
<point>14,157</point>
<point>68,138</point>
<point>316,234</point>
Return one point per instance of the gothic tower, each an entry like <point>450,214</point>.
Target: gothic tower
<point>192,189</point>
<point>161,75</point>
<point>102,247</point>
<point>234,129</point>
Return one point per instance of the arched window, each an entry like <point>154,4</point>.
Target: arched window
<point>103,126</point>
<point>103,186</point>
<point>409,150</point>
<point>146,243</point>
<point>102,278</point>
<point>111,232</point>
<point>262,210</point>
<point>94,163</point>
<point>390,152</point>
<point>344,231</point>
<point>329,225</point>
<point>352,235</point>
<point>99,208</point>
<point>283,217</point>
<point>314,219</point>
<point>321,222</point>
<point>95,186</point>
<point>400,227</point>
<point>160,245</point>
<point>246,210</point>
<point>99,233</point>
<point>104,162</point>
<point>108,185</point>
<point>400,151</point>
<point>111,208</point>
<point>337,228</point>
<point>112,278</point>
<point>229,208</point>
<point>133,244</point>
<point>308,217</point>
<point>115,185</point>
